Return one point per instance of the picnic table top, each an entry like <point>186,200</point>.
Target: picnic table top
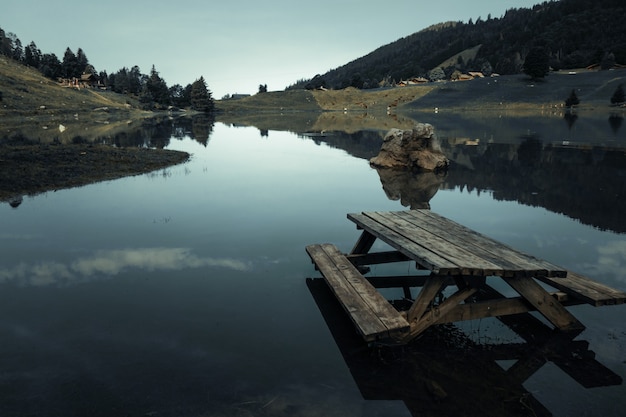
<point>445,247</point>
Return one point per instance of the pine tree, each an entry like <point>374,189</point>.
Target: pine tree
<point>70,65</point>
<point>537,63</point>
<point>572,100</point>
<point>201,99</point>
<point>157,88</point>
<point>618,96</point>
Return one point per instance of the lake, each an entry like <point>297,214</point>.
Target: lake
<point>184,292</point>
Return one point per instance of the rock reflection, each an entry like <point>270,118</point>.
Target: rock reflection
<point>413,189</point>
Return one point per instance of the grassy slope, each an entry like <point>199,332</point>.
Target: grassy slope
<point>301,110</point>
<point>24,91</point>
<point>35,106</point>
<point>349,99</point>
<point>519,93</point>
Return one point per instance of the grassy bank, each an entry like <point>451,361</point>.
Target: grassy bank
<point>36,107</point>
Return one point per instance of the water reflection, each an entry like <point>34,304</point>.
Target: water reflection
<point>579,179</point>
<point>177,328</point>
<point>413,189</point>
<point>158,132</point>
<point>108,263</point>
<point>570,118</point>
<point>583,182</point>
<point>615,121</point>
<point>446,373</point>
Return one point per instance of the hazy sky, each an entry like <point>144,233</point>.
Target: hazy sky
<point>234,44</point>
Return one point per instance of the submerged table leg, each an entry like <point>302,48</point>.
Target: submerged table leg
<point>432,287</point>
<point>545,304</point>
<point>439,313</point>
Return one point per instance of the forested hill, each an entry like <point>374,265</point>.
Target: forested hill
<point>574,33</point>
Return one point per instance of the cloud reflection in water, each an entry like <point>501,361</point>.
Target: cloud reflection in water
<point>612,259</point>
<point>112,262</point>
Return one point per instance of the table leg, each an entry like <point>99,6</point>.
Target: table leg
<point>545,303</point>
<point>364,244</point>
<point>432,287</point>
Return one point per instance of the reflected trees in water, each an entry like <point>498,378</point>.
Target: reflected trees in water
<point>615,121</point>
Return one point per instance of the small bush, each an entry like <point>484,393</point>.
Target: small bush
<point>618,96</point>
<point>572,100</point>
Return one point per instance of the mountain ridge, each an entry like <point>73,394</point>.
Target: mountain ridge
<point>574,33</point>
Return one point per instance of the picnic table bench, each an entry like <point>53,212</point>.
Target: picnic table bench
<point>451,255</point>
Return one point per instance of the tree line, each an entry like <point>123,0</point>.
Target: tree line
<point>571,34</point>
<point>150,89</point>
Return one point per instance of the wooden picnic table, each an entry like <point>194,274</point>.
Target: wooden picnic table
<point>452,255</point>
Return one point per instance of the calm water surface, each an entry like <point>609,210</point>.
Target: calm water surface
<point>184,292</point>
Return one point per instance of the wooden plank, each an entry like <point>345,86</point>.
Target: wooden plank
<point>545,304</point>
<point>372,314</point>
<point>425,257</point>
<point>398,281</point>
<point>512,261</point>
<point>368,325</point>
<point>423,237</point>
<point>497,308</point>
<point>471,240</point>
<point>489,308</point>
<point>424,300</point>
<point>432,316</point>
<point>586,289</point>
<point>365,242</point>
<point>375,258</point>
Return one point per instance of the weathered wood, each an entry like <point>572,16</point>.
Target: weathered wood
<point>424,300</point>
<point>375,258</point>
<point>587,290</point>
<point>512,261</point>
<point>550,308</point>
<point>401,281</point>
<point>408,247</point>
<point>454,254</point>
<point>424,238</point>
<point>372,314</point>
<point>497,308</point>
<point>446,247</point>
<point>440,312</point>
<point>364,244</point>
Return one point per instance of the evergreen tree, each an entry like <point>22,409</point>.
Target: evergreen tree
<point>618,96</point>
<point>146,98</point>
<point>81,62</point>
<point>50,66</point>
<point>69,65</point>
<point>134,80</point>
<point>6,46</point>
<point>180,96</point>
<point>201,99</point>
<point>537,63</point>
<point>17,52</point>
<point>32,55</point>
<point>572,100</point>
<point>157,88</point>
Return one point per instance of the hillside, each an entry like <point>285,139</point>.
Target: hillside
<point>348,99</point>
<point>573,33</point>
<point>35,106</point>
<point>37,114</point>
<point>518,92</point>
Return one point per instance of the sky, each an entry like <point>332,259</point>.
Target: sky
<point>236,45</point>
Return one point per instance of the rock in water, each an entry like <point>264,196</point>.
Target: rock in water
<point>418,148</point>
